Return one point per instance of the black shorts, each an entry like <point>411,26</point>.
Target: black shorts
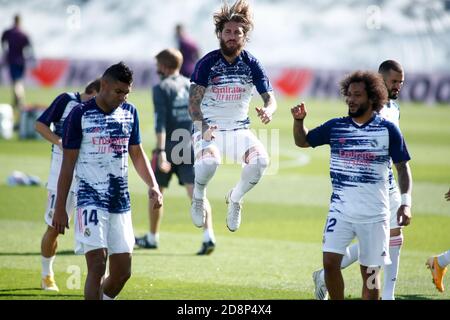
<point>16,71</point>
<point>184,172</point>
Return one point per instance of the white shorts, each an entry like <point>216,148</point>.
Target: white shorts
<point>232,144</point>
<point>96,229</point>
<point>51,201</point>
<point>373,240</point>
<point>394,204</point>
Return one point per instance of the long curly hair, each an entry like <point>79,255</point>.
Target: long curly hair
<point>238,12</point>
<point>375,87</point>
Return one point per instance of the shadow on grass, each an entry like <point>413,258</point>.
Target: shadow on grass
<point>404,297</point>
<point>136,252</point>
<point>413,297</point>
<point>152,252</point>
<point>59,253</point>
<point>40,293</point>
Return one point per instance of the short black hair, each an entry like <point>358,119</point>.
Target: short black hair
<point>387,65</point>
<point>119,72</point>
<point>93,86</point>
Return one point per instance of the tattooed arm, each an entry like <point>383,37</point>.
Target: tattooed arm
<point>270,105</point>
<point>196,93</point>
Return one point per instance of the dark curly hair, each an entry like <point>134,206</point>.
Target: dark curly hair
<point>375,87</point>
<point>239,12</point>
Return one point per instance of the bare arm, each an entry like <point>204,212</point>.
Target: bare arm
<point>196,93</point>
<point>300,131</point>
<point>161,140</point>
<point>143,168</point>
<point>48,134</point>
<point>404,177</point>
<point>270,104</point>
<point>163,164</point>
<point>60,221</point>
<point>405,185</point>
<point>142,165</point>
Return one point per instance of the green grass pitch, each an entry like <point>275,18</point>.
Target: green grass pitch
<point>278,246</point>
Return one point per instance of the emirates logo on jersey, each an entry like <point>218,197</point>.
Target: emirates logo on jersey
<point>228,93</point>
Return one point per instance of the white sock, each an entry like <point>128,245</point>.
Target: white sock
<point>391,270</point>
<point>105,297</point>
<point>47,266</point>
<point>444,259</point>
<point>350,256</point>
<point>322,275</point>
<point>153,238</point>
<point>208,235</point>
<point>250,176</point>
<point>205,169</point>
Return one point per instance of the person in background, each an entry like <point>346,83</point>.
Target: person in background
<point>188,49</point>
<point>17,49</point>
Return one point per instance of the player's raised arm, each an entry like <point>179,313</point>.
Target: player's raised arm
<point>300,131</point>
<point>270,106</point>
<point>405,185</point>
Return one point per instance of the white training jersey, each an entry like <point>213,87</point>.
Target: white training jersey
<point>359,165</point>
<point>229,88</point>
<point>56,113</point>
<point>391,112</point>
<point>103,140</point>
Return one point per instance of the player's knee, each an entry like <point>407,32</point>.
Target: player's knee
<point>209,162</point>
<point>211,153</point>
<point>262,162</point>
<point>122,277</point>
<point>331,263</point>
<point>206,165</point>
<point>257,156</point>
<point>97,267</point>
